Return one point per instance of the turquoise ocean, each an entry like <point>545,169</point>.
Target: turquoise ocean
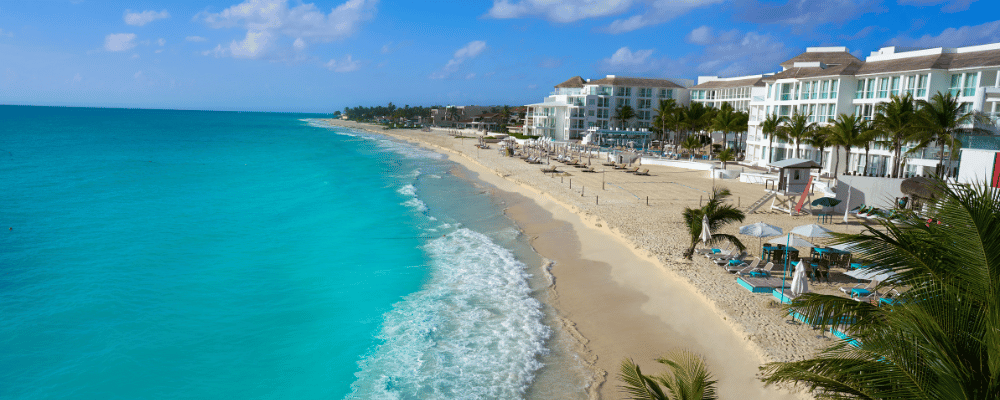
<point>158,254</point>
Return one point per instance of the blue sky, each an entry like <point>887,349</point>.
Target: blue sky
<point>320,56</point>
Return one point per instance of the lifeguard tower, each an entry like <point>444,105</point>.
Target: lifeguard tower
<point>793,188</point>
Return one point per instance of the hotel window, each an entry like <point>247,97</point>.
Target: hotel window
<point>784,111</point>
<point>895,86</point>
<point>870,88</point>
<point>823,89</point>
<point>769,91</point>
<point>883,88</point>
<point>591,102</point>
<point>956,85</point>
<point>911,84</point>
<point>833,88</point>
<point>921,85</point>
<point>970,84</point>
<point>603,102</point>
<point>795,90</point>
<point>786,91</point>
<point>813,88</point>
<point>860,93</point>
<point>590,113</point>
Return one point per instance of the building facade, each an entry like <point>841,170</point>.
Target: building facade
<point>713,91</point>
<point>578,104</point>
<point>826,81</point>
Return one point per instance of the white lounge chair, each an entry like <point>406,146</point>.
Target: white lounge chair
<point>861,290</point>
<point>737,268</point>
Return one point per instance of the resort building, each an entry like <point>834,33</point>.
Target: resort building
<point>826,81</point>
<point>578,105</point>
<point>713,91</point>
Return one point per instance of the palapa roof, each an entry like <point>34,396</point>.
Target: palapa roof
<point>936,61</point>
<point>574,82</point>
<point>795,163</point>
<point>729,83</point>
<point>626,81</point>
<point>825,57</point>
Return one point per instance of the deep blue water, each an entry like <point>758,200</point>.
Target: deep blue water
<point>184,254</point>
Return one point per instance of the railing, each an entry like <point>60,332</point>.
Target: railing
<point>758,98</point>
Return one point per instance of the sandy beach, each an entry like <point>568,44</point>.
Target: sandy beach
<point>621,285</point>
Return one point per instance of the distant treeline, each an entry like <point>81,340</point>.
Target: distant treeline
<point>361,113</point>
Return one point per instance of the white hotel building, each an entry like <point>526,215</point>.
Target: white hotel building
<point>826,81</point>
<point>577,105</point>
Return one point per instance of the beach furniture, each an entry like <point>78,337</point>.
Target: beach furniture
<point>551,169</point>
<point>643,172</point>
<point>631,170</point>
<point>737,268</point>
<point>737,259</point>
<point>861,290</point>
<point>589,169</point>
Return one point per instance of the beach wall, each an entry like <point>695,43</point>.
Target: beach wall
<point>677,164</point>
<point>867,190</point>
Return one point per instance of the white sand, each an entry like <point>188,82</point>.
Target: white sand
<point>620,281</point>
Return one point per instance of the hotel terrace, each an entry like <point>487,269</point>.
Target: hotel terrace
<point>577,105</point>
<point>821,83</point>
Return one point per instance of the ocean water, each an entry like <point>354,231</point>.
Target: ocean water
<point>188,255</point>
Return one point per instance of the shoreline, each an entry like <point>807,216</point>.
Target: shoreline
<point>619,298</point>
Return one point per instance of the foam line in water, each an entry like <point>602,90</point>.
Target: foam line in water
<point>473,332</point>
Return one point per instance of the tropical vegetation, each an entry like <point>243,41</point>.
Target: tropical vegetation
<point>940,121</point>
<point>940,336</point>
<point>845,132</point>
<point>798,128</point>
<point>687,378</point>
<point>719,214</point>
<point>770,127</point>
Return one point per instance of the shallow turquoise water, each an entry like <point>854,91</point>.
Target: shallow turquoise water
<point>183,254</point>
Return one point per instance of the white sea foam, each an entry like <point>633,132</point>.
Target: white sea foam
<point>416,204</point>
<point>473,332</point>
<point>408,190</point>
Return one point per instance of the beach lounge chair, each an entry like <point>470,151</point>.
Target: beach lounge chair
<point>643,172</point>
<point>631,170</point>
<point>709,252</point>
<point>725,258</point>
<point>751,270</point>
<point>739,267</point>
<point>608,164</point>
<point>588,169</point>
<point>737,259</point>
<point>890,297</point>
<point>721,252</point>
<point>861,290</point>
<point>551,169</point>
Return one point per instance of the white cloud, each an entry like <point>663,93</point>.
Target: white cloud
<point>6,33</point>
<point>952,37</point>
<point>658,12</point>
<point>119,41</point>
<point>348,64</point>
<point>807,13</point>
<point>470,76</point>
<point>705,35</point>
<point>158,51</point>
<point>299,44</point>
<point>270,19</point>
<point>252,46</point>
<point>950,6</point>
<point>626,58</point>
<point>161,42</point>
<point>195,39</point>
<point>138,75</point>
<point>471,50</point>
<point>77,78</point>
<point>550,63</point>
<point>733,54</point>
<point>217,52</point>
<point>145,17</point>
<point>561,11</point>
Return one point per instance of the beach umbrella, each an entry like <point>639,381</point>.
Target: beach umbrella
<point>868,274</point>
<point>811,230</point>
<point>791,241</point>
<point>706,235</point>
<point>826,202</point>
<point>800,282</point>
<point>760,230</point>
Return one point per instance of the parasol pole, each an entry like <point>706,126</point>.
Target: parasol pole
<point>784,273</point>
<point>847,207</point>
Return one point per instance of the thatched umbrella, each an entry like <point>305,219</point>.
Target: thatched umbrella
<point>919,187</point>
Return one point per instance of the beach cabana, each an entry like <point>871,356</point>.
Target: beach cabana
<point>794,185</point>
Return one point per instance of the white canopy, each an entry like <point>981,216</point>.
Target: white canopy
<point>791,240</point>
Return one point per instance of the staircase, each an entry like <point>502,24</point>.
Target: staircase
<point>760,202</point>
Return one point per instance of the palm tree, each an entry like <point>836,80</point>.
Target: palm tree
<point>846,132</point>
<point>719,214</point>
<point>726,155</point>
<point>666,107</point>
<point>728,120</point>
<point>697,117</point>
<point>770,127</point>
<point>940,120</point>
<point>940,339</point>
<point>623,114</point>
<point>798,128</point>
<point>687,379</point>
<point>820,139</point>
<point>691,143</point>
<point>894,120</point>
